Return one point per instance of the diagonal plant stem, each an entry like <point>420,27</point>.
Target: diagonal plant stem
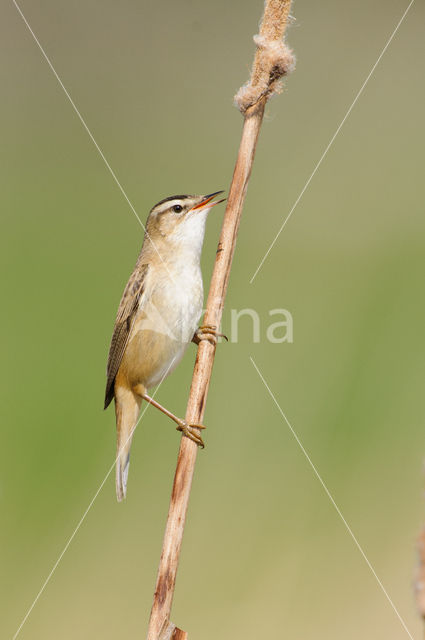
<point>272,61</point>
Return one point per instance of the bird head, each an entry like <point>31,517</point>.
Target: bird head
<point>180,220</point>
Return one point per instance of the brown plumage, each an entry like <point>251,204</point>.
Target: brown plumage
<point>157,317</point>
<point>126,314</point>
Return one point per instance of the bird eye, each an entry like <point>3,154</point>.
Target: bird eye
<point>177,208</point>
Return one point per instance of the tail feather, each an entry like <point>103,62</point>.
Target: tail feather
<point>127,407</point>
<point>122,467</point>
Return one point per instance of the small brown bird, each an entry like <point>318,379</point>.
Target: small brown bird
<point>157,317</point>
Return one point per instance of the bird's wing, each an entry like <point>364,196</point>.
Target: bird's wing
<point>130,303</point>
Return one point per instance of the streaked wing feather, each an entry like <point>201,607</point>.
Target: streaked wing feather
<point>127,309</point>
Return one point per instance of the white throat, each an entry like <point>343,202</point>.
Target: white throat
<point>188,237</point>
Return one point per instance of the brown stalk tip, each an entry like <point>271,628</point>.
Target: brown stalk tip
<point>273,59</point>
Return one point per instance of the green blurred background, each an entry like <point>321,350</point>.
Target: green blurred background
<point>265,554</point>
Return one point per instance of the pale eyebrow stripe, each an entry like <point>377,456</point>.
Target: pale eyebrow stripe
<point>168,205</point>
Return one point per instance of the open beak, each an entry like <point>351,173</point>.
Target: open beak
<point>206,201</point>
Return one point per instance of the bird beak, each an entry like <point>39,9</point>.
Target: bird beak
<point>206,201</point>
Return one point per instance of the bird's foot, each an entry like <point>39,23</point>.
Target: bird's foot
<point>189,430</point>
<point>208,332</point>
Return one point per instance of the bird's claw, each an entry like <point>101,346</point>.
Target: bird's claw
<point>189,430</point>
<point>208,332</point>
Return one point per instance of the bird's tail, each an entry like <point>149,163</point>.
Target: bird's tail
<point>127,409</point>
